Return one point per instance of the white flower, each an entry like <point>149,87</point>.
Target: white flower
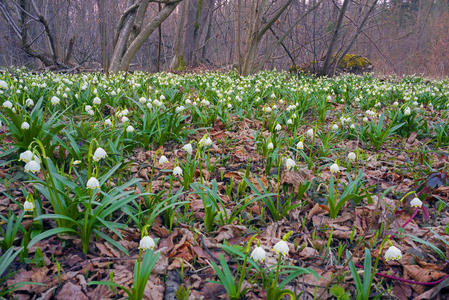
<point>3,85</point>
<point>7,104</point>
<point>96,100</point>
<point>28,206</point>
<point>289,122</point>
<point>309,133</point>
<point>90,112</point>
<point>205,141</point>
<point>55,100</point>
<point>334,127</point>
<point>99,154</point>
<point>334,168</point>
<point>267,109</point>
<point>395,103</point>
<point>26,156</point>
<point>142,100</point>
<point>300,145</point>
<point>270,146</point>
<point>188,148</point>
<point>393,253</point>
<point>352,156</point>
<point>416,202</point>
<point>88,107</point>
<point>179,109</point>
<point>93,183</point>
<point>177,171</point>
<point>129,129</point>
<point>163,160</point>
<point>258,254</point>
<point>289,163</point>
<point>281,247</point>
<point>365,119</point>
<point>124,119</point>
<point>32,166</point>
<point>147,243</point>
<point>29,102</point>
<point>407,111</point>
<point>108,122</point>
<point>25,126</point>
<point>278,127</point>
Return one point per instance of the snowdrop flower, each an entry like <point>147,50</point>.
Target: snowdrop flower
<point>32,166</point>
<point>416,202</point>
<point>29,102</point>
<point>7,104</point>
<point>309,133</point>
<point>55,100</point>
<point>270,146</point>
<point>142,100</point>
<point>352,156</point>
<point>278,127</point>
<point>147,243</point>
<point>163,160</point>
<point>90,112</point>
<point>3,85</point>
<point>149,105</point>
<point>352,126</point>
<point>26,156</point>
<point>289,163</point>
<point>129,129</point>
<point>76,162</point>
<point>393,253</point>
<point>267,109</point>
<point>179,109</point>
<point>407,111</point>
<point>289,122</point>
<point>365,119</point>
<point>108,122</point>
<point>99,154</point>
<point>96,101</point>
<point>162,97</point>
<point>300,145</point>
<point>396,103</point>
<point>334,127</point>
<point>281,247</point>
<point>25,126</point>
<point>188,148</point>
<point>258,254</point>
<point>177,171</point>
<point>124,119</point>
<point>157,103</point>
<point>334,168</point>
<point>205,102</point>
<point>205,141</point>
<point>28,206</point>
<point>93,183</point>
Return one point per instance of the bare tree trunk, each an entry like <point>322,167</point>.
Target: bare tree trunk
<point>327,62</point>
<point>104,41</point>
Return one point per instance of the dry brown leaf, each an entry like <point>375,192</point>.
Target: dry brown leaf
<point>228,232</point>
<point>71,291</point>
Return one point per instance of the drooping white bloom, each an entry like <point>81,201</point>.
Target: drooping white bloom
<point>407,111</point>
<point>270,146</point>
<point>365,119</point>
<point>3,85</point>
<point>93,183</point>
<point>142,100</point>
<point>300,145</point>
<point>90,112</point>
<point>96,101</point>
<point>205,141</point>
<point>267,109</point>
<point>278,127</point>
<point>99,154</point>
<point>147,243</point>
<point>188,148</point>
<point>55,100</point>
<point>108,122</point>
<point>393,253</point>
<point>258,254</point>
<point>29,102</point>
<point>289,163</point>
<point>129,129</point>
<point>334,127</point>
<point>177,171</point>
<point>281,247</point>
<point>163,160</point>
<point>7,104</point>
<point>25,126</point>
<point>352,156</point>
<point>310,133</point>
<point>179,109</point>
<point>289,121</point>
<point>416,202</point>
<point>124,119</point>
<point>32,166</point>
<point>26,156</point>
<point>28,206</point>
<point>334,168</point>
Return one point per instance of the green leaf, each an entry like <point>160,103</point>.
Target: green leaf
<point>50,232</point>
